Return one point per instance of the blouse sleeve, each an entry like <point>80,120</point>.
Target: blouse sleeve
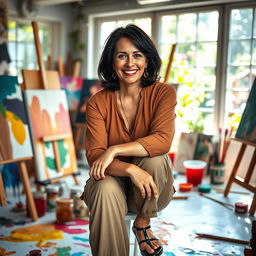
<point>96,137</point>
<point>162,126</point>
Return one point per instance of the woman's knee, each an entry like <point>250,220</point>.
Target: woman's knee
<point>153,164</point>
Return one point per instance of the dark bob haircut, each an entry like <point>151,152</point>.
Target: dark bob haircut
<point>143,42</point>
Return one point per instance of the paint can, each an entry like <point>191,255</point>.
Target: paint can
<point>241,208</point>
<point>52,195</point>
<point>40,203</point>
<point>64,210</point>
<point>75,190</point>
<point>35,253</point>
<point>217,173</point>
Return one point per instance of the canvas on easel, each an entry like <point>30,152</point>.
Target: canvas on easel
<point>49,117</point>
<point>246,136</point>
<point>15,143</point>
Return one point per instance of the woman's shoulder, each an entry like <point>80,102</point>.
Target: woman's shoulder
<point>101,97</point>
<point>160,88</point>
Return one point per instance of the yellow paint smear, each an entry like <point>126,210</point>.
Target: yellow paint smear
<point>39,232</point>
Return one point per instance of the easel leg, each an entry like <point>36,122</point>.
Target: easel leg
<point>25,180</point>
<point>2,192</point>
<point>76,180</point>
<point>253,206</point>
<point>235,169</point>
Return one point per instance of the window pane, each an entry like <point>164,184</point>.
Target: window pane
<point>184,76</point>
<point>11,30</point>
<point>168,29</point>
<point>254,52</point>
<point>207,100</point>
<point>12,50</point>
<point>145,24</point>
<point>241,23</point>
<point>165,50</point>
<point>26,53</point>
<point>187,27</point>
<point>239,52</point>
<point>208,26</point>
<point>185,54</point>
<point>206,54</point>
<point>238,78</point>
<point>254,27</point>
<point>25,33</point>
<point>107,28</point>
<point>206,76</point>
<point>236,100</point>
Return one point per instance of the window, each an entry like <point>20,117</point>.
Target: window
<point>194,67</point>
<point>241,62</point>
<point>21,45</point>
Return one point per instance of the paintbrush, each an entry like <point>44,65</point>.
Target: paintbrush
<point>218,190</point>
<point>217,201</point>
<point>226,239</point>
<point>180,197</point>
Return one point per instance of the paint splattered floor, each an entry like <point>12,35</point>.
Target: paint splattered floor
<point>176,227</point>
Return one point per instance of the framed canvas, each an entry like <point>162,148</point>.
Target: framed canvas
<point>49,115</point>
<point>72,86</point>
<point>90,87</point>
<point>247,127</point>
<point>15,140</point>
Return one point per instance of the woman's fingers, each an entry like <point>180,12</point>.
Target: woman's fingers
<point>97,171</point>
<point>142,191</point>
<point>148,190</point>
<point>154,189</point>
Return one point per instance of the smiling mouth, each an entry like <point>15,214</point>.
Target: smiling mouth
<point>130,72</point>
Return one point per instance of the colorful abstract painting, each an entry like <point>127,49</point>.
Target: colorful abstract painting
<point>49,115</point>
<point>90,87</point>
<point>15,141</point>
<point>247,127</point>
<point>72,86</point>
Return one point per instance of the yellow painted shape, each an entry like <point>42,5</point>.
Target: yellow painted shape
<point>18,128</point>
<point>38,232</point>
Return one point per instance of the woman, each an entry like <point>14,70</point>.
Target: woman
<point>130,127</point>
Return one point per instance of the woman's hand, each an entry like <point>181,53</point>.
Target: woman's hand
<point>99,166</point>
<point>144,181</point>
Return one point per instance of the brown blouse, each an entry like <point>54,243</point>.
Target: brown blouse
<point>153,127</point>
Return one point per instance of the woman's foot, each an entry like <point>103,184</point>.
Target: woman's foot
<point>143,223</point>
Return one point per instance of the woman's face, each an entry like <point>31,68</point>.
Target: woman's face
<point>129,62</point>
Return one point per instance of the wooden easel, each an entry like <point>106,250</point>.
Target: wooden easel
<point>25,180</point>
<point>49,80</point>
<point>245,183</point>
<point>168,70</point>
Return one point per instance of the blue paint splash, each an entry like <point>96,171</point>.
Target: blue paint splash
<point>80,239</point>
<point>77,254</point>
<point>169,254</point>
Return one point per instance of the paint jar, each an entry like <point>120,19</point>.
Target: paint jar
<point>40,203</point>
<point>35,253</point>
<point>64,210</point>
<point>52,195</point>
<point>75,190</point>
<point>217,173</point>
<point>194,171</point>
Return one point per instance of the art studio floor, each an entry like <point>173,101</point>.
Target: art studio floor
<point>176,227</point>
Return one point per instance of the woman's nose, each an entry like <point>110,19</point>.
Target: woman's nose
<point>130,61</point>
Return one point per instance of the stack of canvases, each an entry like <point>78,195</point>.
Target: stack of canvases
<point>49,125</point>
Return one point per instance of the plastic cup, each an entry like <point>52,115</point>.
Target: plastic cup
<point>194,171</point>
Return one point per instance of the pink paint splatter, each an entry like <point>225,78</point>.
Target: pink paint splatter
<point>84,245</point>
<point>67,228</point>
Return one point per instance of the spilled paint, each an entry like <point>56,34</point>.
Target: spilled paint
<point>46,245</point>
<point>80,239</point>
<point>169,254</point>
<point>62,251</point>
<point>68,227</point>
<point>84,245</point>
<point>38,232</point>
<point>78,254</point>
<point>3,252</point>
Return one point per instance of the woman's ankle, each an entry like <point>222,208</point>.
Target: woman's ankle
<point>142,222</point>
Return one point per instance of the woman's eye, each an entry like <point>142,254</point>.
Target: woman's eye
<point>138,55</point>
<point>121,56</point>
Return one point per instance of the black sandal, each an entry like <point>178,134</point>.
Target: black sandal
<point>157,252</point>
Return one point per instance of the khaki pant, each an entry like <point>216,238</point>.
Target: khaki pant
<point>109,200</point>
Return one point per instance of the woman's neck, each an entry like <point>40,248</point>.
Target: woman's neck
<point>130,91</point>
